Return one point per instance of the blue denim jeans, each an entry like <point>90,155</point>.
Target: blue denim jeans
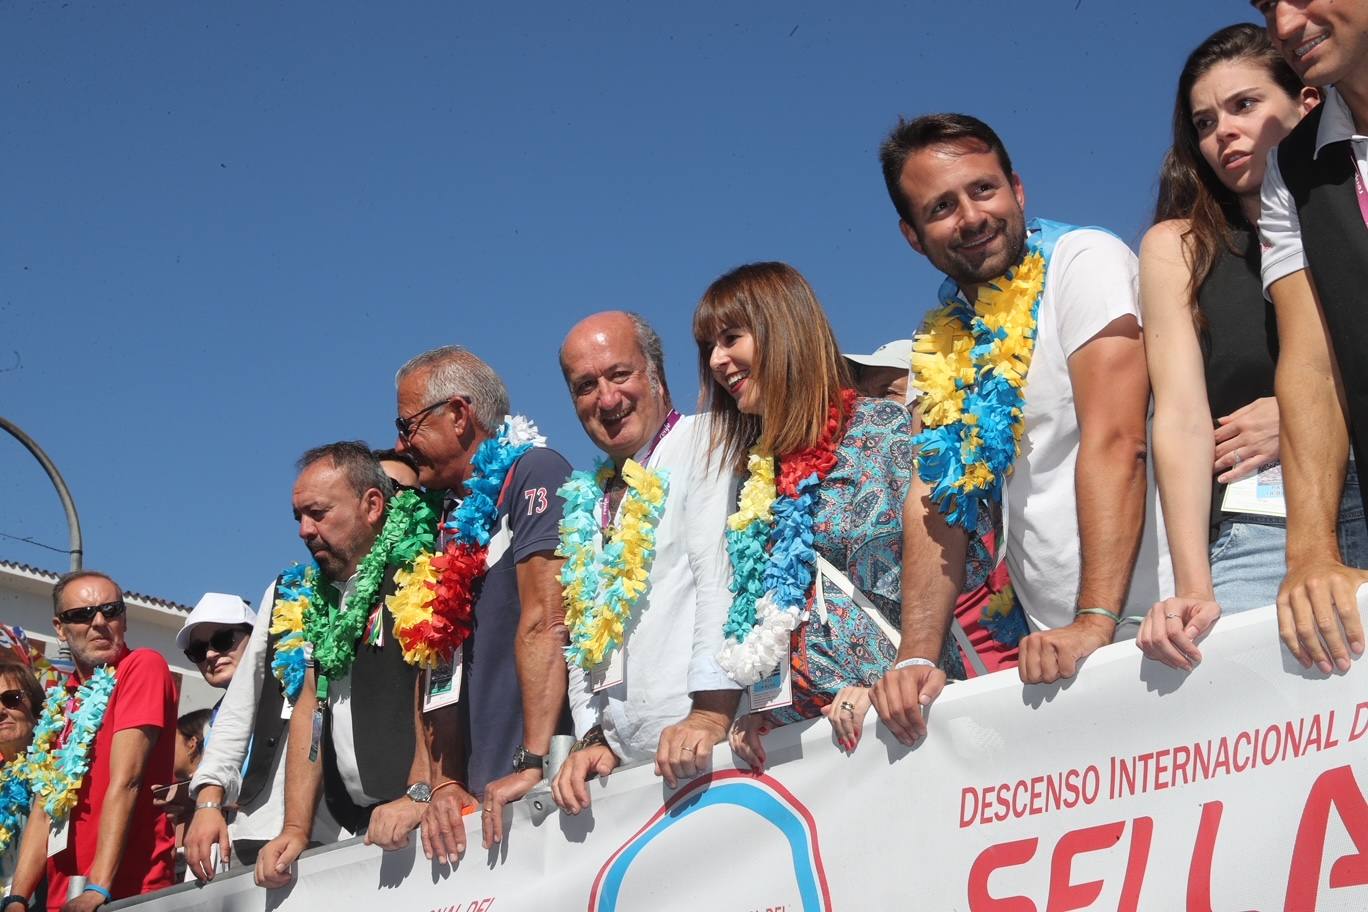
<point>1249,556</point>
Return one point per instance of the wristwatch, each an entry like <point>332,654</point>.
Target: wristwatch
<point>524,759</point>
<point>420,792</point>
<point>592,737</point>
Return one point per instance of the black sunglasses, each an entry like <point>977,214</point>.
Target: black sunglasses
<point>86,614</point>
<point>406,426</point>
<point>13,699</point>
<point>221,642</point>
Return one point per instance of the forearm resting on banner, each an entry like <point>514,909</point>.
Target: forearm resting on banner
<point>1318,596</point>
<point>932,575</point>
<point>539,655</point>
<point>303,783</point>
<point>1111,397</point>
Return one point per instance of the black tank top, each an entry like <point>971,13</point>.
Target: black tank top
<point>1239,340</point>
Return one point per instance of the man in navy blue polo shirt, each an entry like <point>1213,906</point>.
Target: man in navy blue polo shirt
<point>511,694</point>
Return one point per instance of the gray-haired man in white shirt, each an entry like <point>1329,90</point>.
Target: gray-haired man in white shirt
<point>665,696</point>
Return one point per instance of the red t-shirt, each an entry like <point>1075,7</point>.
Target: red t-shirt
<point>143,695</point>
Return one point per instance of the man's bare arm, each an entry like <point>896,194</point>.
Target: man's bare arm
<point>303,784</point>
<point>539,650</point>
<point>933,574</point>
<point>1317,599</point>
<point>1111,396</point>
<point>128,756</point>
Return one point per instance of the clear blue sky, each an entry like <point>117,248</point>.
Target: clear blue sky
<point>224,226</point>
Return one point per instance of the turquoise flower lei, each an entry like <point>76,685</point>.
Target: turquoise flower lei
<point>16,797</point>
<point>55,775</point>
<point>583,575</point>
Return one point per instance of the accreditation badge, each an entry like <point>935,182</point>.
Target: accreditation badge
<point>442,685</point>
<point>610,672</point>
<point>776,689</point>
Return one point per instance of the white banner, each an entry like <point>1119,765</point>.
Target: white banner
<point>1131,787</point>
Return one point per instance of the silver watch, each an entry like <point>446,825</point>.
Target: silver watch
<point>420,792</point>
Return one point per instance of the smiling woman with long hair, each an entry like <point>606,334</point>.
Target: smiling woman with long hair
<point>778,393</point>
<point>1211,338</point>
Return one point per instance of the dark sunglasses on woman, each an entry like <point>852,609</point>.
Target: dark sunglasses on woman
<point>13,699</point>
<point>221,642</point>
<point>86,614</point>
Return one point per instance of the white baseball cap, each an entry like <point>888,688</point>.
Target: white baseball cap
<point>897,353</point>
<point>215,608</point>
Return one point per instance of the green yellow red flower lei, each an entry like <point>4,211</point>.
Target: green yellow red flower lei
<point>434,600</point>
<point>306,614</point>
<point>601,583</point>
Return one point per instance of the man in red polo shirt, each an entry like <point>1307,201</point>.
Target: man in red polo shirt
<point>114,837</point>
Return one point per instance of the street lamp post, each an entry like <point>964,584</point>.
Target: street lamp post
<point>69,505</point>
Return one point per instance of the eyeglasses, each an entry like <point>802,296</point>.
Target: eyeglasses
<point>13,699</point>
<point>86,614</point>
<point>221,642</point>
<point>406,426</point>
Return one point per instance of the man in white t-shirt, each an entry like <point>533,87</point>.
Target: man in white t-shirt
<point>1081,554</point>
<point>1315,267</point>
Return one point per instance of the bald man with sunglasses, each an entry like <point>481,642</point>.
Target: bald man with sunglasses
<point>114,837</point>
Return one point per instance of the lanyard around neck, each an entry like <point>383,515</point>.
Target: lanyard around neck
<point>606,515</point>
<point>1359,189</point>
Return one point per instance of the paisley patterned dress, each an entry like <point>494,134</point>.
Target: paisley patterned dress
<point>858,529</point>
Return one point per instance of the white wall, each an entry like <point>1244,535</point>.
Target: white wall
<point>26,601</point>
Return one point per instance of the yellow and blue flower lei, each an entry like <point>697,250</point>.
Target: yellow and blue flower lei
<point>970,362</point>
<point>601,585</point>
<point>296,594</point>
<point>55,774</point>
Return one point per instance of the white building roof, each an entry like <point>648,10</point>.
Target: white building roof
<point>26,601</point>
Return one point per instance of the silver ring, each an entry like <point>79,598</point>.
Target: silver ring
<point>1236,454</point>
<point>683,749</point>
<point>1171,616</point>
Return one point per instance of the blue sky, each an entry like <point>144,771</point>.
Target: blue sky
<point>226,225</point>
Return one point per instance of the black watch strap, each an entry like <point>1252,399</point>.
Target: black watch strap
<point>13,898</point>
<point>524,759</point>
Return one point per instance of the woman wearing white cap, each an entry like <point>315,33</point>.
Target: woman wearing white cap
<point>215,635</point>
<point>883,374</point>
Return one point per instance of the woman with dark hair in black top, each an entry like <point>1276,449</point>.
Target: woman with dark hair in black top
<point>1211,339</point>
